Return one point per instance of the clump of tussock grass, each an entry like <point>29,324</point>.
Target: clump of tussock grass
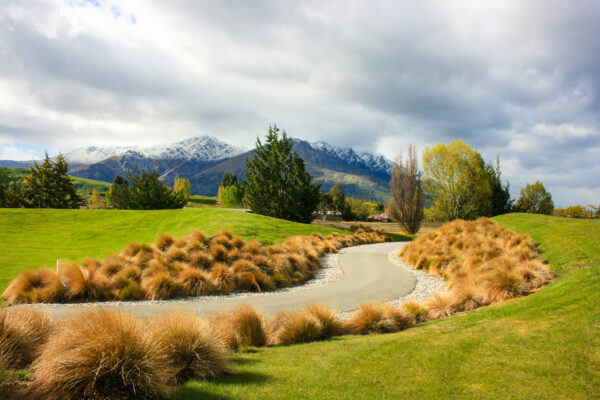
<point>23,333</point>
<point>102,355</point>
<point>416,310</point>
<point>374,318</point>
<point>85,284</point>
<point>160,286</point>
<point>294,327</point>
<point>164,241</point>
<point>331,325</point>
<point>440,306</point>
<point>194,282</point>
<point>249,323</point>
<point>194,349</point>
<point>482,263</point>
<point>162,270</point>
<point>28,285</point>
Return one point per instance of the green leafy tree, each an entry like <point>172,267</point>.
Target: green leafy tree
<point>338,200</point>
<point>534,199</point>
<point>49,186</point>
<point>457,181</point>
<point>231,197</point>
<point>407,202</point>
<point>277,182</point>
<point>12,193</point>
<point>144,191</point>
<point>182,185</point>
<point>500,201</point>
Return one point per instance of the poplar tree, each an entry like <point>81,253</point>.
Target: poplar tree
<point>277,182</point>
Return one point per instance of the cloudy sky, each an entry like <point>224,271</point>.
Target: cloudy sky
<point>516,78</point>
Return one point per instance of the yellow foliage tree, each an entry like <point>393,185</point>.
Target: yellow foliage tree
<point>96,201</point>
<point>182,185</point>
<point>456,178</point>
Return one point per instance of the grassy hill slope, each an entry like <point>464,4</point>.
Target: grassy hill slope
<point>30,238</point>
<point>543,346</point>
<point>82,185</point>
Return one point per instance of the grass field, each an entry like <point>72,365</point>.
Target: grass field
<point>30,238</point>
<point>197,201</point>
<point>543,346</point>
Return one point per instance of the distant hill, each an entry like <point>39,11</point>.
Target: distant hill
<point>204,160</point>
<point>82,185</point>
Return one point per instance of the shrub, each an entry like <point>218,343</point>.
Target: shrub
<point>420,313</point>
<point>193,347</point>
<point>102,355</point>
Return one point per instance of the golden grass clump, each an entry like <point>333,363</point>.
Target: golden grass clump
<point>194,349</point>
<point>482,263</point>
<point>160,286</point>
<point>222,278</point>
<point>373,318</point>
<point>85,284</point>
<point>294,327</point>
<point>416,310</point>
<point>162,270</point>
<point>102,355</point>
<point>331,325</point>
<point>164,241</point>
<point>194,282</point>
<point>249,323</point>
<point>23,332</point>
<point>440,306</point>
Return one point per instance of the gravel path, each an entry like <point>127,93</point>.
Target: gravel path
<point>354,276</point>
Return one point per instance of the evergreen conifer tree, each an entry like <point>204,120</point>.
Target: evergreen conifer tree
<point>49,186</point>
<point>277,182</point>
<point>144,191</point>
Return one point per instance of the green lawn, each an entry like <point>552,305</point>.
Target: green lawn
<point>30,238</point>
<point>197,201</point>
<point>543,346</point>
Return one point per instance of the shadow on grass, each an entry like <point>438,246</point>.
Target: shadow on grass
<point>195,389</point>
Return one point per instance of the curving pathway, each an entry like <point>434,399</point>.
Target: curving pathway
<point>367,276</point>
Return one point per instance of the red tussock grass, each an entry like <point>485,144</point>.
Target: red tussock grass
<point>23,332</point>
<point>102,355</point>
<point>482,263</point>
<point>193,347</point>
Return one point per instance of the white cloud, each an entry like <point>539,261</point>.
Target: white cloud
<point>514,78</point>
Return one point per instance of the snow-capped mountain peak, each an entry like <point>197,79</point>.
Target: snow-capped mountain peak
<point>375,163</point>
<point>201,148</point>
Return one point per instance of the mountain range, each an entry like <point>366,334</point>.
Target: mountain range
<point>204,159</point>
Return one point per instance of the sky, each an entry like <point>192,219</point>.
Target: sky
<point>514,79</point>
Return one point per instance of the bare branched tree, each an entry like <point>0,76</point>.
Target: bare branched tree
<point>406,204</point>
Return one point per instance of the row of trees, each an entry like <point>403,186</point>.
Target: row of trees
<point>46,186</point>
<point>459,184</point>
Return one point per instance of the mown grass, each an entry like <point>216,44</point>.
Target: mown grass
<point>31,238</point>
<point>545,345</point>
<point>197,201</point>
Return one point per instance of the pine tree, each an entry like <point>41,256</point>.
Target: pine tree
<point>277,182</point>
<point>49,186</point>
<point>144,191</point>
<point>500,201</point>
<point>11,190</point>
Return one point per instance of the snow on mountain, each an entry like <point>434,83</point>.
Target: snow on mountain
<point>201,148</point>
<point>375,163</point>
